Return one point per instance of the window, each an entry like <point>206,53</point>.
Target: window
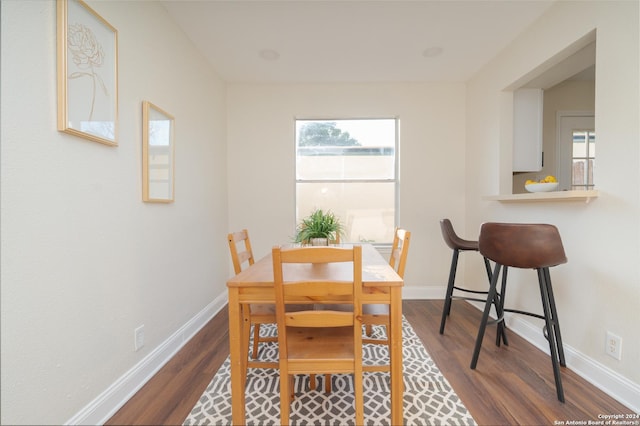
<point>576,150</point>
<point>583,158</point>
<point>349,167</point>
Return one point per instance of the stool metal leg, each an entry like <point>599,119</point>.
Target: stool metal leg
<point>447,300</point>
<point>451,287</point>
<point>487,266</point>
<point>556,321</point>
<point>551,330</point>
<point>485,315</point>
<point>501,332</point>
<point>499,304</point>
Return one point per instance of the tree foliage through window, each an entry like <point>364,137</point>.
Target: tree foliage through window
<point>324,133</point>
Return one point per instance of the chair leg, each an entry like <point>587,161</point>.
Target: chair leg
<point>447,300</point>
<point>485,315</point>
<point>327,383</point>
<point>551,331</point>
<point>256,340</point>
<point>358,399</point>
<point>368,329</point>
<point>312,381</point>
<point>246,330</point>
<point>285,398</point>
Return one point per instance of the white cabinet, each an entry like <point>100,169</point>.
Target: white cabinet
<point>527,130</point>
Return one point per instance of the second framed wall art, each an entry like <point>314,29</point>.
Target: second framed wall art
<point>158,164</point>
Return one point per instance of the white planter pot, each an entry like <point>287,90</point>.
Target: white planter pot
<point>319,241</point>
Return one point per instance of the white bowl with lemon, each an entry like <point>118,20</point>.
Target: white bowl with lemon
<point>550,183</point>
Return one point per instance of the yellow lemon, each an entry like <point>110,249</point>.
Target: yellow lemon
<point>550,179</point>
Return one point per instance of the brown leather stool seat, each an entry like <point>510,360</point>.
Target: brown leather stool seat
<point>458,245</point>
<point>527,246</point>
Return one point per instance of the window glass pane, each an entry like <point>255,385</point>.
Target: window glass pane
<point>579,172</point>
<point>345,149</point>
<point>579,145</point>
<point>584,152</point>
<point>327,163</point>
<point>366,209</point>
<point>592,144</point>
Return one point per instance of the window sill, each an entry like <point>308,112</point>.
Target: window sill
<point>585,196</point>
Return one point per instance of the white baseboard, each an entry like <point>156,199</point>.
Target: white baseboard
<point>613,384</point>
<point>422,293</point>
<point>102,408</point>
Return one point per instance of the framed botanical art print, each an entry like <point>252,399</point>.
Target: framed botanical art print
<point>157,154</point>
<point>87,73</point>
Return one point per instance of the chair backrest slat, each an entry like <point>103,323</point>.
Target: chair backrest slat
<point>240,249</point>
<point>400,250</point>
<point>318,319</point>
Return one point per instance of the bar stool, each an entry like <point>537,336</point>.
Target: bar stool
<point>528,246</point>
<point>458,245</point>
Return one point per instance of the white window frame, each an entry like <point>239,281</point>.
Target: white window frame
<point>564,151</point>
<point>396,166</point>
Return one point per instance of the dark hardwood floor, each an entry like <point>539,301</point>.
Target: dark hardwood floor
<point>511,385</point>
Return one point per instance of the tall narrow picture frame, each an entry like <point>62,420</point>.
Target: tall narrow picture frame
<point>158,163</point>
<point>87,73</point>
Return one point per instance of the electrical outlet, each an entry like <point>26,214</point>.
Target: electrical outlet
<point>138,335</point>
<point>613,346</point>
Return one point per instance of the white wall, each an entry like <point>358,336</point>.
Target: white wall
<point>84,260</point>
<point>599,288</point>
<point>261,134</point>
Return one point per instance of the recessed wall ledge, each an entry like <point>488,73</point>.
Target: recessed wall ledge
<point>529,197</point>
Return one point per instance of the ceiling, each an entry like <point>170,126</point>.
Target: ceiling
<point>313,41</point>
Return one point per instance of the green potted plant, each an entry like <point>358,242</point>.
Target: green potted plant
<point>319,228</point>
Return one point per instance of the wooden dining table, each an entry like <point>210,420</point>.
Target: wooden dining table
<point>381,285</point>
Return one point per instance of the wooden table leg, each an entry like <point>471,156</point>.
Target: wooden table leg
<point>238,368</point>
<point>397,385</point>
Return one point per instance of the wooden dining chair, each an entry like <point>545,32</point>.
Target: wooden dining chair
<point>255,314</point>
<point>318,341</point>
<point>379,314</point>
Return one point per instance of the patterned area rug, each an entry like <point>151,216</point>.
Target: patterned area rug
<point>428,397</point>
